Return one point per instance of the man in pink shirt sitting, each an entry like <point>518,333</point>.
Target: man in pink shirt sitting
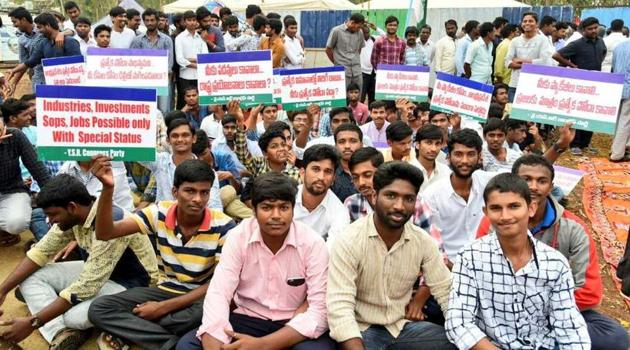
<point>274,270</point>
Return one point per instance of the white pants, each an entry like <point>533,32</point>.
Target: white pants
<point>15,212</point>
<point>43,287</point>
<point>622,135</point>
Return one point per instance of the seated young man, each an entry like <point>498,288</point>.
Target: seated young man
<point>337,117</point>
<point>187,236</point>
<point>317,205</point>
<point>274,270</point>
<point>374,266</point>
<point>494,154</point>
<point>348,139</point>
<point>375,129</point>
<point>557,227</point>
<point>363,164</point>
<point>58,294</point>
<point>399,139</point>
<point>360,111</point>
<point>429,143</point>
<point>195,113</point>
<point>511,291</point>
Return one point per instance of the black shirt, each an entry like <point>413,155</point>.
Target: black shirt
<point>585,53</point>
<point>13,149</point>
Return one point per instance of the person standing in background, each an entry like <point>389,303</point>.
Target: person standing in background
<point>344,45</point>
<point>445,49</point>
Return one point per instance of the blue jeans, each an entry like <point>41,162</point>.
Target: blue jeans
<point>415,335</point>
<point>605,333</point>
<point>39,227</point>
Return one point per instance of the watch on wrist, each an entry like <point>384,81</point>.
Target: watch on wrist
<point>36,322</point>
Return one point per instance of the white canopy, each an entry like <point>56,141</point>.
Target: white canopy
<point>267,5</point>
<point>436,4</point>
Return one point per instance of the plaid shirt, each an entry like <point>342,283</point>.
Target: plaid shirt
<point>387,52</point>
<point>258,165</point>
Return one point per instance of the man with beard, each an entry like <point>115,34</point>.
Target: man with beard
<point>211,35</point>
<point>273,41</point>
<point>374,266</point>
<point>388,48</point>
<point>414,54</point>
<point>557,227</point>
<point>427,45</point>
<point>83,29</point>
<point>121,35</point>
<point>316,205</point>
<point>59,294</point>
<point>348,139</point>
<point>429,143</point>
<point>445,49</point>
<point>163,23</point>
<point>232,31</point>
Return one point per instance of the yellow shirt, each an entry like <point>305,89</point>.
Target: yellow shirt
<point>500,71</point>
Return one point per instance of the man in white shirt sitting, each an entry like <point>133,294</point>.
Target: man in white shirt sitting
<point>121,36</point>
<point>429,143</point>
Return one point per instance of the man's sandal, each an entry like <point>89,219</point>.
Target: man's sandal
<point>69,339</point>
<point>8,240</point>
<point>107,341</point>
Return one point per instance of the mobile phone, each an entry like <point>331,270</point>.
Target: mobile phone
<point>295,281</point>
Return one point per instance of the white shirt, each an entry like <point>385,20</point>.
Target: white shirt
<point>293,52</point>
<point>366,54</point>
<point>188,46</point>
<point>228,40</point>
<point>328,219</point>
<point>121,40</point>
<point>428,49</point>
<point>122,191</point>
<point>491,163</point>
<point>576,35</point>
<point>538,49</point>
<point>69,25</point>
<point>440,171</point>
<point>83,45</point>
<point>611,42</point>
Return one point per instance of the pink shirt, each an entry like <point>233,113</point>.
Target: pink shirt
<point>360,113</point>
<point>256,279</point>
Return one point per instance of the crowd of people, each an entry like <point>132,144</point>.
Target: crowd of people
<point>380,225</point>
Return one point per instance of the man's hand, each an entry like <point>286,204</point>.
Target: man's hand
<point>3,131</point>
<point>151,310</point>
<point>291,157</point>
<point>63,253</point>
<point>242,341</point>
<point>234,108</point>
<point>185,109</point>
<point>101,167</point>
<point>19,329</point>
<point>224,175</point>
<point>413,311</point>
<point>59,39</point>
<point>256,111</point>
<point>567,134</point>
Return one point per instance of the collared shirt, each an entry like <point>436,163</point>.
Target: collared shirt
<point>294,53</point>
<point>84,44</point>
<point>328,219</point>
<point>378,137</point>
<point>428,51</point>
<point>621,64</point>
<point>187,46</point>
<point>343,186</point>
<point>256,280</point>
<point>445,50</point>
<point>611,42</point>
<point>122,191</point>
<point>500,70</point>
<point>27,43</point>
<point>223,161</point>
<point>575,36</point>
<point>12,150</point>
<point>163,42</point>
<point>491,163</point>
<point>129,261</point>
<point>479,56</point>
<point>228,40</point>
<point>358,206</point>
<point>258,165</point>
<point>366,55</point>
<point>183,266</point>
<point>537,49</point>
<point>196,119</point>
<point>460,54</point>
<point>414,56</point>
<point>277,49</point>
<point>531,308</point>
<point>346,47</point>
<point>371,285</point>
<point>388,52</point>
<point>559,44</point>
<point>48,49</point>
<point>245,42</point>
<point>122,40</point>
<point>440,171</point>
<point>585,53</point>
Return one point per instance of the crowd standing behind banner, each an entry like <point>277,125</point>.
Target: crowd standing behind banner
<point>243,199</point>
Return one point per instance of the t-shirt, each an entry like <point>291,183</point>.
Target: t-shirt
<point>538,49</point>
<point>360,113</point>
<point>121,40</point>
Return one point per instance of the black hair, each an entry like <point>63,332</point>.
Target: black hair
<point>389,172</point>
<point>201,143</point>
<point>422,107</point>
<point>11,108</point>
<point>202,12</point>
<point>470,25</point>
<point>391,19</point>
<point>83,20</point>
<point>268,105</point>
<point>280,126</point>
<point>273,186</point>
<point>275,25</point>
<point>286,18</point>
<point>274,15</point>
<point>353,87</point>
<point>398,131</point>
<point>493,124</point>
<point>320,152</point>
<point>148,13</point>
<point>433,113</point>
<point>177,18</point>
<point>466,137</point>
<point>227,119</point>
<point>533,14</point>
<point>499,86</point>
<point>508,30</point>
<point>252,10</point>
<point>259,22</point>
<point>21,13</point>
<point>47,19</point>
<point>28,97</point>
<point>412,30</point>
<point>162,14</point>
<point>450,22</point>
<point>189,14</point>
<point>172,115</point>
<point>102,28</point>
<point>193,170</point>
<point>561,25</point>
<point>62,189</point>
<point>364,154</point>
<point>117,11</point>
<point>131,13</point>
<point>485,29</point>
<point>589,21</point>
<point>495,111</point>
<point>426,26</point>
<point>429,132</point>
<point>547,20</point>
<point>499,21</point>
<point>69,5</point>
<point>378,104</point>
<point>533,160</point>
<point>513,124</point>
<point>572,25</point>
<point>268,136</point>
<point>176,123</point>
<point>333,113</point>
<point>289,22</point>
<point>230,20</point>
<point>616,25</point>
<point>215,16</point>
<point>190,87</point>
<point>507,183</point>
<point>225,11</point>
<point>348,127</point>
<point>357,18</point>
<point>291,114</point>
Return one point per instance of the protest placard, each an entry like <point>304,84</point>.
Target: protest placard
<point>557,95</point>
<point>277,86</point>
<point>325,86</point>
<point>566,178</point>
<point>398,81</point>
<point>69,70</point>
<point>453,94</point>
<point>130,68</point>
<point>245,76</point>
<point>78,122</point>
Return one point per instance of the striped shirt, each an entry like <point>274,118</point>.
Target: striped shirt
<point>183,266</point>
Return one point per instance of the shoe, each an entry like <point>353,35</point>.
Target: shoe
<point>576,151</point>
<point>591,150</point>
<point>70,339</point>
<point>107,341</point>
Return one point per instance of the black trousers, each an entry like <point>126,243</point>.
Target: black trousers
<point>369,86</point>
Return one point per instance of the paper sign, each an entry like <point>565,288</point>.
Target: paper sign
<point>557,95</point>
<point>566,178</point>
<point>245,76</point>
<point>469,98</point>
<point>399,81</point>
<point>132,68</point>
<point>277,86</point>
<point>325,86</point>
<point>78,122</point>
<point>69,70</point>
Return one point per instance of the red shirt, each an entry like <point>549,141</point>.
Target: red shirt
<point>360,113</point>
<point>387,52</point>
